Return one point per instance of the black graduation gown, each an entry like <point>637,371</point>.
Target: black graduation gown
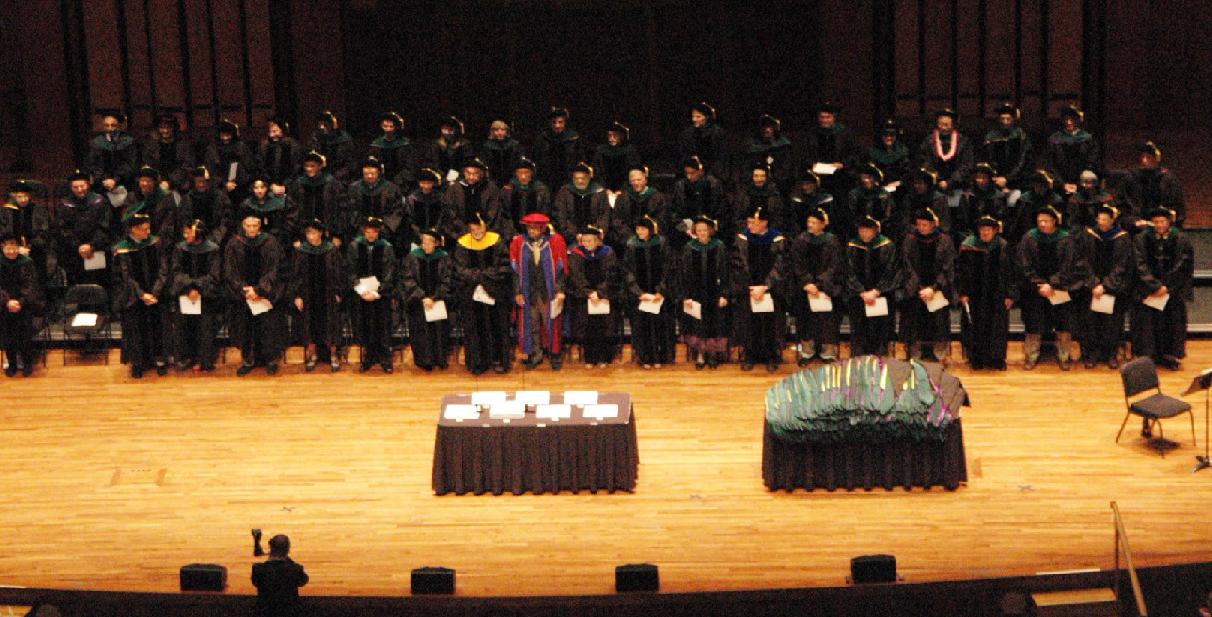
<point>501,156</point>
<point>317,198</point>
<point>895,162</point>
<point>115,157</point>
<point>1112,265</point>
<point>650,269</point>
<point>464,200</point>
<point>749,198</point>
<point>517,201</point>
<point>974,204</point>
<point>575,208</point>
<point>832,145</point>
<point>598,271</point>
<point>196,267</point>
<point>279,216</point>
<point>710,144</point>
<point>955,170</point>
<point>611,165</point>
<point>875,203</point>
<point>1054,260</point>
<point>795,215</point>
<point>400,160</point>
<point>318,277</point>
<point>258,263</point>
<point>372,322</point>
<point>159,205</point>
<point>337,148</point>
<point>1169,262</point>
<point>1148,189</point>
<point>1081,209</point>
<point>690,199</point>
<point>776,153</point>
<point>19,281</point>
<point>871,265</point>
<point>756,261</point>
<point>423,212</point>
<point>428,276</point>
<point>1009,152</point>
<point>816,260</point>
<point>141,268</point>
<point>82,221</point>
<point>1068,155</point>
<point>631,207</point>
<point>986,275</point>
<point>219,159</point>
<point>215,211</point>
<point>927,261</point>
<point>383,200</point>
<point>1021,217</point>
<point>450,156</point>
<point>174,159</point>
<point>31,224</point>
<point>487,335</point>
<point>280,159</point>
<point>706,273</point>
<point>555,154</point>
<point>912,201</point>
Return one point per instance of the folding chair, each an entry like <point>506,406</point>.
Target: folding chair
<point>1138,376</point>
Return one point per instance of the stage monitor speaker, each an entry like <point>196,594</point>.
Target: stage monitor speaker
<point>203,577</point>
<point>873,569</point>
<point>433,581</point>
<point>636,577</point>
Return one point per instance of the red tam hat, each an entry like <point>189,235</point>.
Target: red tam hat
<point>536,218</point>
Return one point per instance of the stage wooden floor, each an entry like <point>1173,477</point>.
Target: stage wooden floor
<point>113,484</point>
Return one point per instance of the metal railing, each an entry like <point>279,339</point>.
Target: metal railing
<point>1121,542</point>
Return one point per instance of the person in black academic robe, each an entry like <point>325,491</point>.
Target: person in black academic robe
<point>613,159</point>
<point>149,198</point>
<point>580,202</point>
<point>28,221</point>
<point>1165,264</point>
<point>948,153</point>
<point>816,269</point>
<point>1072,150</point>
<point>372,257</point>
<point>318,282</point>
<point>375,196</point>
<point>140,279</point>
<point>706,285</point>
<point>557,148</point>
<point>920,194</point>
<point>1151,186</point>
<point>398,155</point>
<point>927,270</point>
<point>1020,215</point>
<point>279,214</point>
<point>80,227</point>
<point>482,263</point>
<point>473,197</point>
<point>523,195</point>
<point>594,278</point>
<point>501,153</point>
<point>427,277</point>
<point>759,261</point>
<point>770,147</point>
<point>987,284</point>
<point>891,156</point>
<point>1007,148</point>
<point>21,298</point>
<point>113,155</point>
<point>638,200</point>
<point>209,204</point>
<point>318,195</point>
<point>806,197</point>
<point>981,198</point>
<point>424,207</point>
<point>757,191</point>
<point>451,151</point>
<point>697,194</point>
<point>195,271</point>
<point>231,162</point>
<point>868,199</point>
<point>871,273</point>
<point>336,146</point>
<point>1107,250</point>
<point>280,156</point>
<point>252,272</point>
<point>651,276</point>
<point>169,152</point>
<point>1082,206</point>
<point>708,141</point>
<point>1050,262</point>
<point>832,143</point>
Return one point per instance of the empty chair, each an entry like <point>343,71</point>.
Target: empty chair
<point>86,316</point>
<point>1140,375</point>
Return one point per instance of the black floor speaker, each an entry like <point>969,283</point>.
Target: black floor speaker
<point>637,577</point>
<point>203,577</point>
<point>433,581</point>
<point>873,569</point>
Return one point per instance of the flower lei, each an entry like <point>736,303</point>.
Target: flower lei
<point>938,146</point>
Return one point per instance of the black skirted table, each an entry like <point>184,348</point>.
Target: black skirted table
<point>854,463</point>
<point>537,455</point>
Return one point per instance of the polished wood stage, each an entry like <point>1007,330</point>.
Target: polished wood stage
<point>109,483</point>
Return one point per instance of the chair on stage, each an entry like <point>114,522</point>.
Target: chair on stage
<point>79,302</point>
<point>1140,375</point>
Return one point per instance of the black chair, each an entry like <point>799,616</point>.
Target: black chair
<point>1140,375</point>
<point>81,299</point>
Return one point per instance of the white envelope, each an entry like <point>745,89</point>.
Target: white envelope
<point>1105,304</point>
<point>939,301</point>
<point>580,397</point>
<point>367,283</point>
<point>694,309</point>
<point>610,410</point>
<point>456,411</point>
<point>824,169</point>
<point>96,262</point>
<point>1059,296</point>
<point>259,306</point>
<point>437,312</point>
<point>822,303</point>
<point>533,397</point>
<point>84,320</point>
<point>481,295</point>
<point>557,307</point>
<point>452,175</point>
<point>507,409</point>
<point>765,305</point>
<point>117,197</point>
<point>879,309</point>
<point>488,397</point>
<point>601,307</point>
<point>1158,303</point>
<point>553,412</point>
<point>232,170</point>
<point>653,306</point>
<point>611,197</point>
<point>892,186</point>
<point>189,307</point>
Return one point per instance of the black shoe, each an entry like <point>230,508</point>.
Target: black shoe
<point>713,362</point>
<point>1171,363</point>
<point>161,369</point>
<point>975,365</point>
<point>310,364</point>
<point>772,367</point>
<point>184,365</point>
<point>477,371</point>
<point>699,363</point>
<point>206,368</point>
<point>1000,365</point>
<point>499,369</point>
<point>271,368</point>
<point>335,365</point>
<point>1089,362</point>
<point>28,369</point>
<point>745,366</point>
<point>136,372</point>
<point>244,369</point>
<point>388,368</point>
<point>11,369</point>
<point>557,363</point>
<point>1113,361</point>
<point>365,366</point>
<point>535,359</point>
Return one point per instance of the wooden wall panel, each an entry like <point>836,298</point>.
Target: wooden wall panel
<point>166,59</point>
<point>260,62</point>
<point>319,64</point>
<point>201,76</point>
<point>1065,56</point>
<point>968,69</point>
<point>907,87</point>
<point>141,76</point>
<point>938,54</point>
<point>42,56</point>
<point>229,46</point>
<point>104,56</point>
<point>999,52</point>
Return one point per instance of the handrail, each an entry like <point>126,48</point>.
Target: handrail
<point>1121,540</point>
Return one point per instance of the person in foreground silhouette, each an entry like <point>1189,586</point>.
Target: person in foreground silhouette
<point>278,580</point>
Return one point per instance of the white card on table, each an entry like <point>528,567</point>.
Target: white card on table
<point>765,305</point>
<point>878,309</point>
<point>1105,304</point>
<point>189,307</point>
<point>259,306</point>
<point>822,303</point>
<point>693,308</point>
<point>488,397</point>
<point>507,409</point>
<point>459,411</point>
<point>609,410</point>
<point>437,312</point>
<point>553,411</point>
<point>824,169</point>
<point>601,307</point>
<point>1059,296</point>
<point>533,397</point>
<point>96,262</point>
<point>937,303</point>
<point>84,320</point>
<point>1158,303</point>
<point>581,397</point>
<point>481,295</point>
<point>651,306</point>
